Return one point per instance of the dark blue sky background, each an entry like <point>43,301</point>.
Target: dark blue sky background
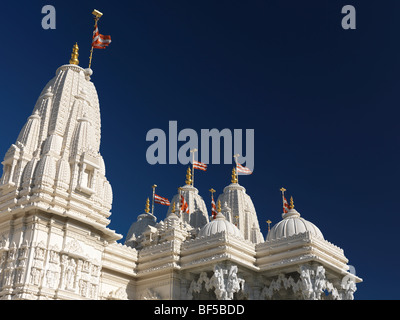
<point>323,102</point>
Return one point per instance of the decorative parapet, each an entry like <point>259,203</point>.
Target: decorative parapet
<point>299,248</point>
<point>218,247</point>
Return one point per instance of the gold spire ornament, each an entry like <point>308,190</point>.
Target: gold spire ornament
<point>74,55</point>
<point>291,203</point>
<point>188,177</point>
<point>219,206</point>
<point>173,207</point>
<point>147,207</point>
<point>234,176</point>
<point>269,223</point>
<point>97,13</point>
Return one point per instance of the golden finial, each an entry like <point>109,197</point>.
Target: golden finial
<point>147,207</point>
<point>173,207</point>
<point>212,190</point>
<point>234,176</point>
<point>291,203</point>
<point>188,176</point>
<point>74,54</point>
<point>97,14</point>
<point>219,206</point>
<point>282,190</point>
<point>269,222</point>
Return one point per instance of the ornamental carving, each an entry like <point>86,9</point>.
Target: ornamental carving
<point>224,281</point>
<point>311,284</point>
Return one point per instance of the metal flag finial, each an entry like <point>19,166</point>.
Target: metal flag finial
<point>97,14</point>
<point>269,223</point>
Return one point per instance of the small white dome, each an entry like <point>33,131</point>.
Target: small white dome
<point>220,224</point>
<point>138,227</point>
<point>293,224</point>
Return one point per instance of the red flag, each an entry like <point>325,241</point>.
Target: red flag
<point>285,205</point>
<point>199,165</point>
<point>184,205</point>
<point>244,170</point>
<point>213,207</point>
<point>100,41</point>
<point>161,200</point>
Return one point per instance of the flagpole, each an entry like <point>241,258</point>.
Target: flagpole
<point>269,222</point>
<point>193,151</point>
<point>97,15</point>
<point>212,200</point>
<point>283,196</point>
<point>154,186</point>
<point>180,200</point>
<point>237,174</point>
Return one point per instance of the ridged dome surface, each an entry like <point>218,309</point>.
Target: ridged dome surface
<point>220,224</point>
<point>293,224</point>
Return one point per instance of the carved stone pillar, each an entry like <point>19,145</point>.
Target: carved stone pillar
<point>224,281</point>
<point>313,281</point>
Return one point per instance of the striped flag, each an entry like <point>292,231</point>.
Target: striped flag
<point>285,205</point>
<point>184,205</point>
<point>100,41</point>
<point>243,170</point>
<point>199,165</point>
<point>161,200</point>
<point>213,207</point>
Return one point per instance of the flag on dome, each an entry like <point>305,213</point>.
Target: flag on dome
<point>213,207</point>
<point>285,205</point>
<point>184,205</point>
<point>199,165</point>
<point>100,41</point>
<point>243,170</point>
<point>161,200</point>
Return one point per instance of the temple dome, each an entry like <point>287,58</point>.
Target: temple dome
<point>138,227</point>
<point>198,215</point>
<point>238,208</point>
<point>220,224</point>
<point>292,224</point>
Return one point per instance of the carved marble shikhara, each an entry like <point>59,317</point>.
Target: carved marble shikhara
<point>55,203</point>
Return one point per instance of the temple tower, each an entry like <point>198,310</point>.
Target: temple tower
<point>55,199</point>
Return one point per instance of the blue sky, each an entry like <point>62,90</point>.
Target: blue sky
<point>323,103</point>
